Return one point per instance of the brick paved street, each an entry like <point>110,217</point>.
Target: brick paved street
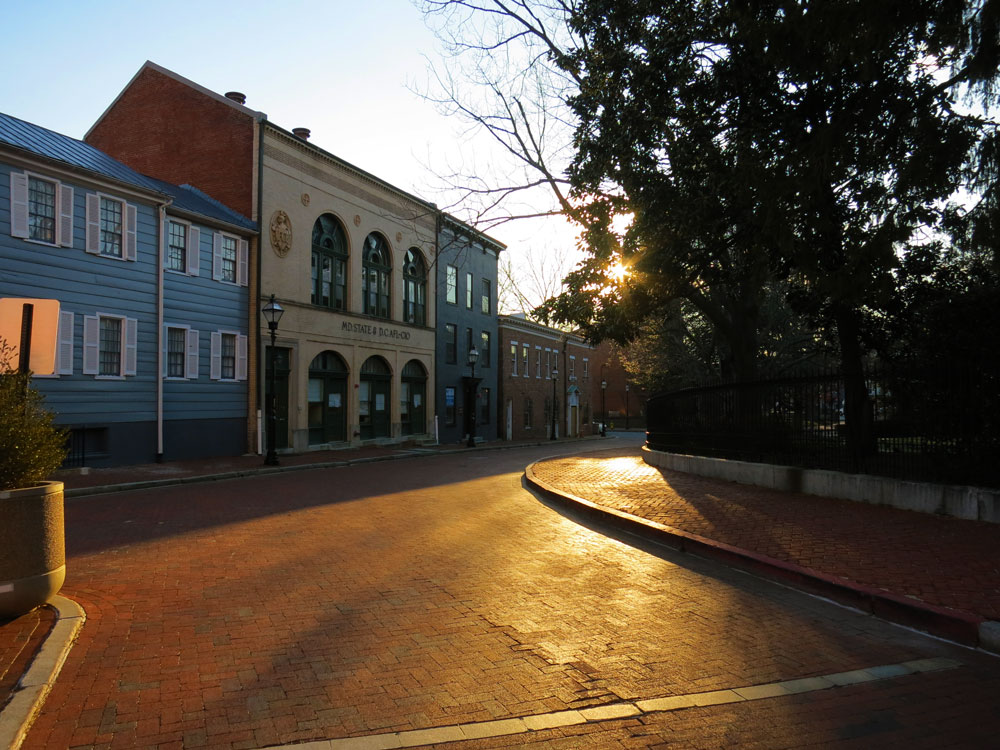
<point>943,561</point>
<point>438,591</point>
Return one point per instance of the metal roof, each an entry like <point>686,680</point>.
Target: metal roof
<point>61,148</point>
<point>191,200</point>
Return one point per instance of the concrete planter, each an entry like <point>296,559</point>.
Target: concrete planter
<point>32,547</point>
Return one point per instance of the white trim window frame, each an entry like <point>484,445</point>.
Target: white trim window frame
<point>548,363</point>
<point>538,362</point>
<point>513,359</point>
<point>572,367</point>
<point>586,368</point>
<point>186,346</point>
<point>110,348</point>
<point>36,218</point>
<point>111,224</point>
<point>525,349</point>
<point>182,241</point>
<point>225,345</point>
<point>229,249</point>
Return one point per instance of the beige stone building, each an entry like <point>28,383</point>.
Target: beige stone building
<point>348,256</point>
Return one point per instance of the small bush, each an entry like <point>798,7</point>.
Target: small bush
<point>31,446</point>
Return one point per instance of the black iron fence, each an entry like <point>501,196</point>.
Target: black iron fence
<point>925,424</point>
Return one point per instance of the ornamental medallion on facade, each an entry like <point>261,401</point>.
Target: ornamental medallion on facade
<point>281,233</point>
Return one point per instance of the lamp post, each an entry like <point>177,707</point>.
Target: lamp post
<point>626,406</point>
<point>555,374</point>
<point>272,313</point>
<point>471,416</point>
<point>604,408</point>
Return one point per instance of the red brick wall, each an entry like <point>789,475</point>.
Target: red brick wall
<point>166,129</point>
<point>607,365</point>
<point>517,389</point>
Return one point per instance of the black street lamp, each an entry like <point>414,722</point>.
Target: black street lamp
<point>272,313</point>
<point>626,406</point>
<point>604,408</point>
<point>471,416</point>
<point>555,374</point>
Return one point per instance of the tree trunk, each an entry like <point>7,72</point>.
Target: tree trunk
<point>857,410</point>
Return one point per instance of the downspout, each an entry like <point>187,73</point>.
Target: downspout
<point>255,324</point>
<point>437,270</point>
<point>161,258</point>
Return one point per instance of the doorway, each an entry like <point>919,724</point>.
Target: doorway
<point>374,415</point>
<point>327,399</point>
<point>282,367</point>
<point>413,399</point>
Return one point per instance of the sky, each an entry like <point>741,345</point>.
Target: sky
<point>348,71</point>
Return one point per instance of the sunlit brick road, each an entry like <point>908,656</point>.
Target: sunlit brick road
<point>437,592</point>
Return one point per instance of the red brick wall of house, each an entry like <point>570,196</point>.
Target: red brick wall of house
<point>164,128</point>
<point>615,398</point>
<point>517,389</point>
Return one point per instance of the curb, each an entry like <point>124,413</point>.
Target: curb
<point>32,690</point>
<point>265,470</point>
<point>953,625</point>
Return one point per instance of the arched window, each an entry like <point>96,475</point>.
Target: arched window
<point>414,288</point>
<point>377,269</point>
<point>329,263</point>
<point>327,399</point>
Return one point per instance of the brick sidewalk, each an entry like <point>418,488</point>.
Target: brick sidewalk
<point>944,562</point>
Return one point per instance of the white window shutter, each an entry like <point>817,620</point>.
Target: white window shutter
<point>191,360</point>
<point>244,262</point>
<point>93,244</point>
<point>18,204</point>
<point>91,334</point>
<point>131,345</point>
<point>65,238</point>
<point>215,370</point>
<point>64,354</point>
<point>241,357</point>
<point>194,251</point>
<point>131,219</point>
<point>216,256</point>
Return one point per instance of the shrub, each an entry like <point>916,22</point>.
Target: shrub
<point>31,446</point>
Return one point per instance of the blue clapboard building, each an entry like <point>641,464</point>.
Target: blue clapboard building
<point>152,355</point>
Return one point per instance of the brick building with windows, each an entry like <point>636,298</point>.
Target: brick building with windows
<point>546,378</point>
<point>346,254</point>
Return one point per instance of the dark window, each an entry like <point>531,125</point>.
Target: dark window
<point>451,285</point>
<point>468,344</point>
<point>450,343</point>
<point>377,267</point>
<point>41,210</point>
<point>176,347</point>
<point>111,346</point>
<point>111,227</point>
<point>229,250</point>
<point>177,247</point>
<point>487,297</point>
<point>484,403</point>
<point>329,263</point>
<point>414,288</point>
<point>449,406</point>
<point>484,352</point>
<point>529,413</point>
<point>229,356</point>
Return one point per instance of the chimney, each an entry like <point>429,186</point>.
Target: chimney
<point>302,133</point>
<point>237,97</point>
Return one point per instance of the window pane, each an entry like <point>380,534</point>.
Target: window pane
<point>41,210</point>
<point>111,346</point>
<point>468,290</point>
<point>487,296</point>
<point>228,356</point>
<point>451,285</point>
<point>229,259</point>
<point>111,227</point>
<point>484,354</point>
<point>177,247</point>
<point>176,345</point>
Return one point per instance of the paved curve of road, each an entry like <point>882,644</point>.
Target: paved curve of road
<point>437,592</point>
